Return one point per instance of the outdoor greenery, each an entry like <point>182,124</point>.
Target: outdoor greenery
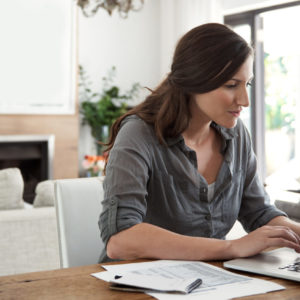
<point>279,104</point>
<point>100,109</point>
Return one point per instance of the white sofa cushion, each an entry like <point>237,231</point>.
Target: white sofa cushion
<point>11,189</point>
<point>29,240</point>
<point>44,194</point>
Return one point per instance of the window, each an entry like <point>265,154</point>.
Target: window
<point>274,116</point>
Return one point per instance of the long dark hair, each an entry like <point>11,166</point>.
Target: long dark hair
<point>204,59</point>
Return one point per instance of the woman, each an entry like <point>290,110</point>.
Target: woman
<point>181,169</point>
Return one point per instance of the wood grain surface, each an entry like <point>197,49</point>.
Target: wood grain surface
<point>77,283</point>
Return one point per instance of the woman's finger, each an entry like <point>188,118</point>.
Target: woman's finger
<point>281,242</point>
<point>284,232</point>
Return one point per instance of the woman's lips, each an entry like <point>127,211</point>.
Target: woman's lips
<point>235,113</point>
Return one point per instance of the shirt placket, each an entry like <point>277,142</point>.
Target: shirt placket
<point>203,192</point>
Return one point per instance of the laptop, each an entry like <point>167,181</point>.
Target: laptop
<point>281,263</point>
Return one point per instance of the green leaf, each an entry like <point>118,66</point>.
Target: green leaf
<point>107,105</point>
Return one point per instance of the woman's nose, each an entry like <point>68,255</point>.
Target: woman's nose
<point>243,98</point>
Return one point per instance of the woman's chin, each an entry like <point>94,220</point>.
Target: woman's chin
<point>229,125</point>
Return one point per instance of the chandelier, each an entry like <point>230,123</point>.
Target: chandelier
<point>90,7</point>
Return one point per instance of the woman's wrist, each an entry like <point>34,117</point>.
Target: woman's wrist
<point>233,250</point>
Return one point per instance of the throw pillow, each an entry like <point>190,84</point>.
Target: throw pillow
<point>44,194</point>
<point>11,189</point>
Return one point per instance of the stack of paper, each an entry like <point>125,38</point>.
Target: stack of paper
<point>148,283</point>
<point>217,283</point>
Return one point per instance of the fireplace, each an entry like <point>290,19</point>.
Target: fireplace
<point>32,154</point>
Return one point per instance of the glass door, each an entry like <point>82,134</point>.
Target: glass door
<point>274,114</point>
<point>281,46</point>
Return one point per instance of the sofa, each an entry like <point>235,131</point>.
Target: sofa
<point>29,240</point>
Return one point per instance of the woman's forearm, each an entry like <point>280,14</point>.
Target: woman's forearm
<point>149,241</point>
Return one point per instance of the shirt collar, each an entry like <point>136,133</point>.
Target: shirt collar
<point>226,133</point>
<point>171,141</point>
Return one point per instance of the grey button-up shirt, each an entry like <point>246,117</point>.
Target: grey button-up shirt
<point>157,184</point>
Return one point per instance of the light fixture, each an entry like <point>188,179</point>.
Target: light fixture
<point>90,7</point>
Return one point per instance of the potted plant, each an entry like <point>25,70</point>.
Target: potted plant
<point>100,109</point>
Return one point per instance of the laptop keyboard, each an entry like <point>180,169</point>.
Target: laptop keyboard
<point>292,267</point>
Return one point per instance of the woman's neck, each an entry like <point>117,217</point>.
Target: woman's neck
<point>197,133</point>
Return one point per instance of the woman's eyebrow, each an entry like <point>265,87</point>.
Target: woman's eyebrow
<point>239,80</point>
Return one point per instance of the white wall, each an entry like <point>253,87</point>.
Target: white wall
<point>131,45</point>
<point>179,16</point>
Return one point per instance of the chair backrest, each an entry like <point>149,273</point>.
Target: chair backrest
<point>78,206</point>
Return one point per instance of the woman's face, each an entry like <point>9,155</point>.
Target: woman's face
<point>224,104</point>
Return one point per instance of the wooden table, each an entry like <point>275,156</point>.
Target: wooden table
<point>77,283</point>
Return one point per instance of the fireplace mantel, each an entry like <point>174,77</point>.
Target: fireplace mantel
<point>50,139</point>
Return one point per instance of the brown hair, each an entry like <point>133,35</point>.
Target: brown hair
<point>204,59</point>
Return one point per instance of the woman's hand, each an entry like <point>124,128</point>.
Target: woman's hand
<point>265,237</point>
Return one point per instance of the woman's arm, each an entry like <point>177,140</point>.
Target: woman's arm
<point>149,241</point>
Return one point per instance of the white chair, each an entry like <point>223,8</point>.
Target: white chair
<point>78,206</point>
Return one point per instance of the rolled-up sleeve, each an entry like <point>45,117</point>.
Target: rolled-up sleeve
<point>256,209</point>
<point>125,184</point>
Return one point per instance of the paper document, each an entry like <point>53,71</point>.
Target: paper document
<point>217,283</point>
<point>147,283</point>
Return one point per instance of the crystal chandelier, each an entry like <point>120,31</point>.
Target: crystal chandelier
<point>90,7</point>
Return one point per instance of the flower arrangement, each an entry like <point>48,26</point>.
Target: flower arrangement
<point>94,165</point>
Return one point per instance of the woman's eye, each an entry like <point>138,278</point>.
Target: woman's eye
<point>231,86</point>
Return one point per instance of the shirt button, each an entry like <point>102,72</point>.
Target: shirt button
<point>203,190</point>
<point>112,201</point>
<point>208,217</point>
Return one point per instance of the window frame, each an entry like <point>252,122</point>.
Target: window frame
<point>257,112</point>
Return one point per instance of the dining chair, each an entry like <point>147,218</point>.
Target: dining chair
<point>78,206</point>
